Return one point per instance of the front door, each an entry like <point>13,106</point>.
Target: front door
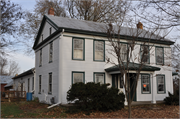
<point>132,80</point>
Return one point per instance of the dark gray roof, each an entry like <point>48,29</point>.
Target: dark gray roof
<point>133,66</point>
<point>9,84</point>
<point>28,72</point>
<point>5,79</point>
<point>100,27</point>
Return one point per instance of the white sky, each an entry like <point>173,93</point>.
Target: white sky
<point>27,62</point>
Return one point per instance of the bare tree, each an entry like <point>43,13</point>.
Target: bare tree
<point>8,67</point>
<point>3,66</point>
<point>13,68</point>
<point>10,14</point>
<point>163,13</point>
<point>128,57</point>
<point>94,10</point>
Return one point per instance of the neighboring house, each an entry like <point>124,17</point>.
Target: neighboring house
<point>4,80</point>
<point>9,86</point>
<point>69,51</point>
<point>24,81</point>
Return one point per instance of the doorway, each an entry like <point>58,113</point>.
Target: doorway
<point>133,85</point>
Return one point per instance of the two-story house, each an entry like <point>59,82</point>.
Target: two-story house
<point>69,51</point>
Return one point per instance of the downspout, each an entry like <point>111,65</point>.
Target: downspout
<point>60,72</point>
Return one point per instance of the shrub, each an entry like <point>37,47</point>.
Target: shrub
<point>172,99</point>
<point>92,96</point>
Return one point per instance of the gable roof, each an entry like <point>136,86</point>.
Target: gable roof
<point>96,29</point>
<point>28,72</point>
<point>133,66</point>
<point>9,84</point>
<point>5,79</point>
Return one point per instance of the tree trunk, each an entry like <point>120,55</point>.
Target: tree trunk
<point>129,106</point>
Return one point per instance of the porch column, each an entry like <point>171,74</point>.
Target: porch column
<point>125,103</point>
<point>153,88</point>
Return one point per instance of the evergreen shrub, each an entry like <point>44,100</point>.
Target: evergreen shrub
<point>173,99</point>
<point>96,96</point>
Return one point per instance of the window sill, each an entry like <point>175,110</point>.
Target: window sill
<point>98,60</point>
<point>79,59</point>
<point>161,93</point>
<point>145,93</point>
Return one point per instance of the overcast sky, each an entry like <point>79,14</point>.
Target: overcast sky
<point>27,62</point>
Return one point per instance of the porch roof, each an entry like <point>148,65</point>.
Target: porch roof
<point>174,73</point>
<point>133,66</point>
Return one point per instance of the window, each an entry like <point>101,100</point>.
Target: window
<point>115,81</point>
<point>50,83</point>
<point>40,58</point>
<point>159,55</point>
<point>50,30</point>
<point>78,49</point>
<point>99,50</point>
<point>145,82</point>
<point>28,84</point>
<point>145,54</point>
<point>32,83</point>
<point>77,77</point>
<point>99,77</point>
<point>50,52</point>
<point>123,52</point>
<point>39,84</point>
<point>42,37</point>
<point>161,84</point>
<point>121,82</point>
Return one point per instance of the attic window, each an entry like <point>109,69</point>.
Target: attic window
<point>50,30</point>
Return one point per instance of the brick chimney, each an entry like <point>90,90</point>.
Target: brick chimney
<point>140,25</point>
<point>51,11</point>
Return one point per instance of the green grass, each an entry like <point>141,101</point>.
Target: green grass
<point>8,109</point>
<point>30,110</point>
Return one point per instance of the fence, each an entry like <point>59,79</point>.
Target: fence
<point>13,95</point>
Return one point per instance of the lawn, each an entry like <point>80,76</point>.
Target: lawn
<point>37,110</point>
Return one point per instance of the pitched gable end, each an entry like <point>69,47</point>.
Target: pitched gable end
<point>43,23</point>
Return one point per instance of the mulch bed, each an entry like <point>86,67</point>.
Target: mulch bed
<point>150,111</point>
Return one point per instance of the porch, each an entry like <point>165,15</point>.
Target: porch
<point>12,96</point>
<point>146,102</point>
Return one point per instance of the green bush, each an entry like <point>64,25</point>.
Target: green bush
<point>172,99</point>
<point>93,96</point>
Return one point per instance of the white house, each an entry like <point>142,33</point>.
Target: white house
<point>24,81</point>
<point>69,51</point>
